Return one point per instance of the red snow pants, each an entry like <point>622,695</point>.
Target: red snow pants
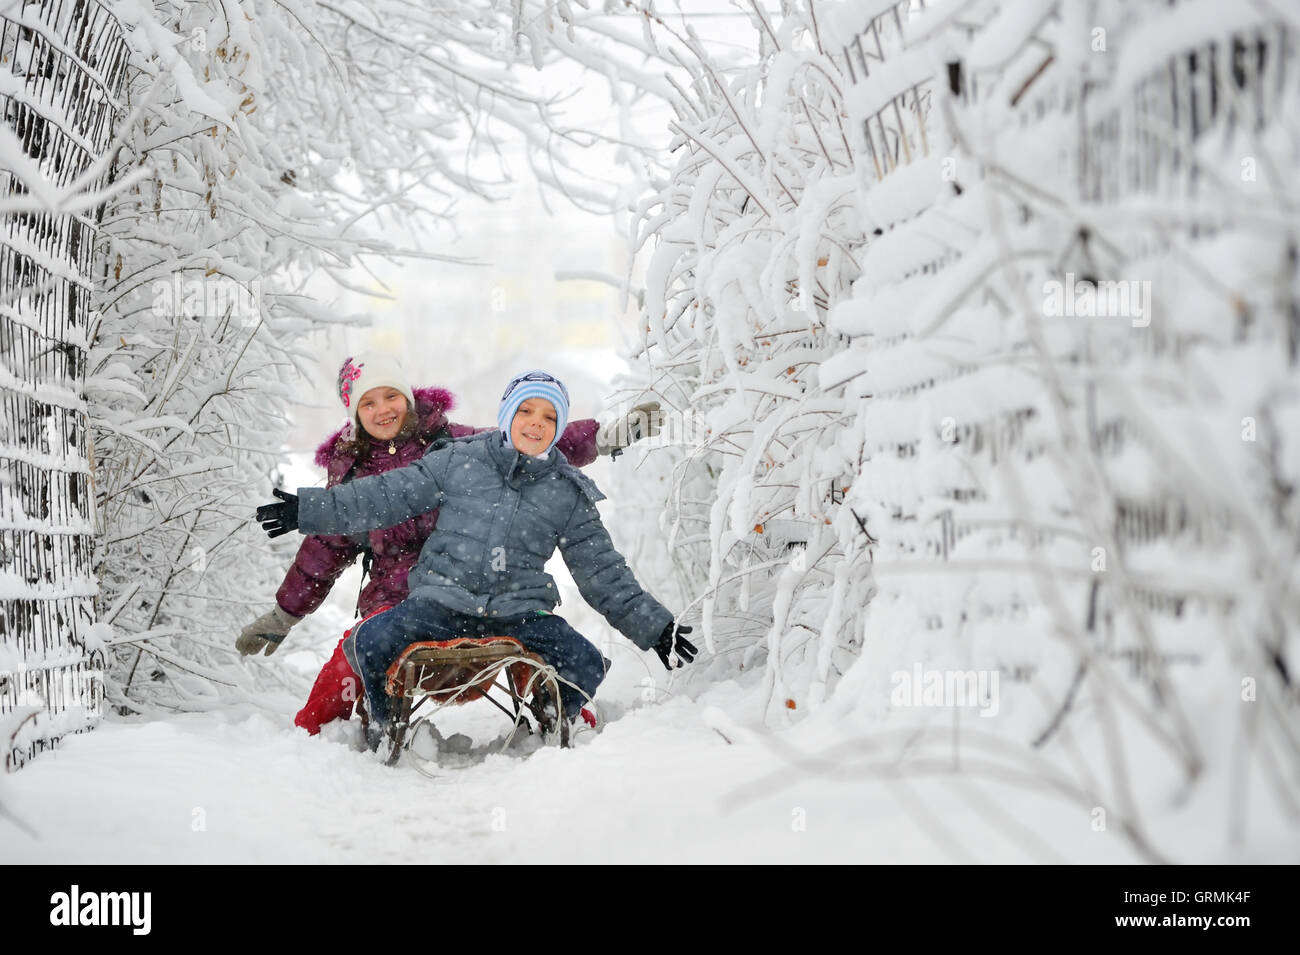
<point>332,696</point>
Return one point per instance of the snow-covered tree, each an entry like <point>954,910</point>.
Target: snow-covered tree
<point>981,319</point>
<point>754,240</point>
<point>61,73</point>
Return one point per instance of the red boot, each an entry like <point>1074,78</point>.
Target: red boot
<point>332,696</point>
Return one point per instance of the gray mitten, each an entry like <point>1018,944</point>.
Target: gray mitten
<point>266,631</point>
<point>643,421</point>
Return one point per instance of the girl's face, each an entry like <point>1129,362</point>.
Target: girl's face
<point>533,427</point>
<point>381,412</point>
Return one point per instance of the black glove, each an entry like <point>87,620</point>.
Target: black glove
<point>279,519</point>
<point>671,639</point>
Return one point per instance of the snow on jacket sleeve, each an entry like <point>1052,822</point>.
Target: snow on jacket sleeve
<point>606,582</point>
<point>377,501</point>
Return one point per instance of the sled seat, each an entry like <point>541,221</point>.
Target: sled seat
<point>451,672</point>
<point>442,670</point>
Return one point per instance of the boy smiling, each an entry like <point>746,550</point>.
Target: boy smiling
<point>533,429</point>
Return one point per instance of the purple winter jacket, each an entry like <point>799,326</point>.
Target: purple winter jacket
<point>322,558</point>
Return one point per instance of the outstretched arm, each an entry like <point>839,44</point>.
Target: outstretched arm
<point>381,500</point>
<point>606,582</point>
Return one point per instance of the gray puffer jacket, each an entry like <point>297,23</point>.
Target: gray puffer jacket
<point>501,516</point>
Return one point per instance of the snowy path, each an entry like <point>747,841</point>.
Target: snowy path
<point>657,785</point>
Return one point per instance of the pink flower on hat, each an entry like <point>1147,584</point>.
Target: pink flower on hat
<point>349,373</point>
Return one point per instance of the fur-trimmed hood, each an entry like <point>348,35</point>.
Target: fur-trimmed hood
<point>432,404</point>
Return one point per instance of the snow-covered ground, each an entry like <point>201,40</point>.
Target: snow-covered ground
<point>656,785</point>
<point>670,777</point>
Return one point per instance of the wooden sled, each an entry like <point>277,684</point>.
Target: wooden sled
<point>451,672</point>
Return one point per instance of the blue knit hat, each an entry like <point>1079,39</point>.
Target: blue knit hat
<point>534,384</point>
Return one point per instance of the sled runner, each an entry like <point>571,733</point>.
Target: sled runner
<point>451,672</point>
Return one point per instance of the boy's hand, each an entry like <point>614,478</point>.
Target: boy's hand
<point>279,519</point>
<point>671,639</point>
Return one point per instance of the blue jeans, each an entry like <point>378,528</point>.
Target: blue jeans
<point>377,641</point>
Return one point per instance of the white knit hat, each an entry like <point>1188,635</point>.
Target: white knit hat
<point>358,375</point>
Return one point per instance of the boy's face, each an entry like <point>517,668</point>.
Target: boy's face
<point>533,427</point>
<point>382,411</point>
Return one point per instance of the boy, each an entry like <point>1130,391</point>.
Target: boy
<point>507,500</point>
